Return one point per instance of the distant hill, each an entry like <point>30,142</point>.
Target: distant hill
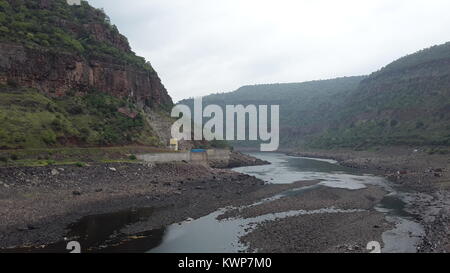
<point>405,103</point>
<point>305,108</point>
<point>68,77</point>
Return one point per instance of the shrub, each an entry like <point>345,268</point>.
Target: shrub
<point>12,83</point>
<point>74,109</point>
<point>4,160</point>
<point>80,164</point>
<point>57,125</point>
<point>49,137</point>
<point>50,162</point>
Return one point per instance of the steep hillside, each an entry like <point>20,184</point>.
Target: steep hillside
<point>67,76</point>
<point>305,108</point>
<point>406,102</point>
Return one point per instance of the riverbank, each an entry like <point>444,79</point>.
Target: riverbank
<point>38,203</point>
<point>342,211</point>
<point>334,221</point>
<point>424,176</point>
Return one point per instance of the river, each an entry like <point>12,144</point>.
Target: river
<point>207,234</point>
<point>210,235</point>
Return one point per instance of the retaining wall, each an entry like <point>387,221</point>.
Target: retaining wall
<point>195,157</point>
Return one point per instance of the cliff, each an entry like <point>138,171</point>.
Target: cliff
<point>59,74</point>
<point>60,49</point>
<point>68,77</point>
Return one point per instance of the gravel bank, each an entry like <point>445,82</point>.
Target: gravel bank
<point>314,198</point>
<point>318,233</point>
<point>37,203</point>
<point>425,177</point>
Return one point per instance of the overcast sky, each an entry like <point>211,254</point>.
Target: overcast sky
<point>200,47</point>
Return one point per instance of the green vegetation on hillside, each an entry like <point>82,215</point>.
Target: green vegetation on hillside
<point>78,156</point>
<point>434,53</point>
<point>305,108</point>
<point>31,120</point>
<point>61,27</point>
<point>405,103</point>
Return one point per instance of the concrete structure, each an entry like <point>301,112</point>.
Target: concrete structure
<point>194,156</point>
<point>198,156</point>
<point>218,154</point>
<point>165,157</point>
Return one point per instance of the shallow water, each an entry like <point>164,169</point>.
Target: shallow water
<point>207,234</point>
<point>99,233</point>
<point>288,169</point>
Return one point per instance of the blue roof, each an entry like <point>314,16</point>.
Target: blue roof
<point>198,150</point>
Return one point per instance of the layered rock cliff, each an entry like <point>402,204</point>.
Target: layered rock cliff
<point>68,77</point>
<point>76,50</point>
<point>59,74</point>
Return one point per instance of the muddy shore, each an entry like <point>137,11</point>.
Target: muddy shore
<point>425,178</point>
<point>318,233</point>
<point>37,204</point>
<point>349,224</point>
<point>315,198</point>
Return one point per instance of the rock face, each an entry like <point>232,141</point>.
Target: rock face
<point>68,64</point>
<point>79,50</point>
<point>60,74</point>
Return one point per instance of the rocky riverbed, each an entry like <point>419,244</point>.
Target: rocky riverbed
<point>39,206</point>
<point>425,177</point>
<point>318,233</point>
<point>333,221</point>
<point>38,203</point>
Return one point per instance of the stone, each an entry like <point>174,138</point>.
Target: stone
<point>54,172</point>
